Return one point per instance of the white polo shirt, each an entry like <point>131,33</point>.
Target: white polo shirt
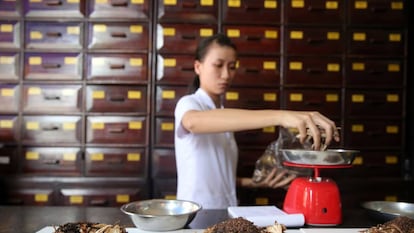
<point>206,163</point>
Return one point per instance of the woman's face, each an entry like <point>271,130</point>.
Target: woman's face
<point>217,69</point>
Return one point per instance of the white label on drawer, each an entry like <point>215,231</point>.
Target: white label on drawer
<point>358,66</point>
<point>361,5</point>
<point>36,35</point>
<point>135,125</point>
<point>68,92</point>
<point>32,155</point>
<point>357,128</point>
<point>167,126</point>
<point>394,68</point>
<point>296,35</point>
<point>297,3</point>
<point>270,4</point>
<point>391,129</point>
<point>41,197</point>
<point>295,65</point>
<point>391,159</point>
<point>168,94</point>
<point>69,126</point>
<point>168,31</point>
<point>32,125</point>
<point>394,37</point>
<point>98,61</point>
<point>73,1</point>
<point>137,29</point>
<point>122,198</point>
<point>35,60</point>
<point>270,97</point>
<point>296,97</point>
<point>6,124</point>
<point>134,157</point>
<point>7,92</point>
<point>331,5</point>
<point>73,30</point>
<point>332,98</point>
<point>271,34</point>
<point>135,62</point>
<point>233,3</point>
<point>97,157</point>
<point>170,2</point>
<point>206,32</point>
<point>6,60</point>
<point>269,65</point>
<point>206,2</point>
<point>358,98</point>
<point>393,98</point>
<point>233,32</point>
<point>70,60</point>
<point>98,94</point>
<point>4,160</point>
<point>137,1</point>
<point>231,95</point>
<point>397,5</point>
<point>134,95</point>
<point>6,28</point>
<point>333,35</point>
<point>359,36</point>
<point>101,1</point>
<point>98,125</point>
<point>69,156</point>
<point>99,28</point>
<point>76,199</point>
<point>333,67</point>
<point>170,62</point>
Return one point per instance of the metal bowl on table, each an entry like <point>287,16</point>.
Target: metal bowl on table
<point>316,157</point>
<point>161,214</point>
<point>388,210</point>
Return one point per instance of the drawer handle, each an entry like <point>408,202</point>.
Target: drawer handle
<point>51,162</point>
<point>188,37</point>
<point>254,38</point>
<point>99,202</point>
<point>118,34</point>
<point>189,5</point>
<point>51,66</point>
<point>376,41</point>
<point>313,71</point>
<point>50,128</point>
<point>315,41</point>
<point>54,34</point>
<point>252,70</point>
<point>119,3</point>
<point>51,97</point>
<point>54,3</point>
<point>119,130</point>
<point>117,66</point>
<point>117,98</point>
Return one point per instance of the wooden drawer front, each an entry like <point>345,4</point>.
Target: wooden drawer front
<point>52,98</point>
<point>39,195</point>
<point>373,103</point>
<point>181,38</point>
<point>175,69</point>
<point>258,71</point>
<point>9,98</point>
<point>53,66</point>
<point>9,159</point>
<point>9,129</point>
<point>328,102</point>
<point>255,40</point>
<point>378,163</point>
<point>376,42</point>
<point>105,98</point>
<point>121,68</point>
<point>61,9</point>
<point>167,97</point>
<point>59,36</point>
<point>382,72</point>
<point>116,130</point>
<point>119,36</point>
<point>9,9</point>
<point>165,188</point>
<point>9,66</point>
<point>326,41</point>
<point>164,131</point>
<point>188,11</point>
<point>163,164</point>
<point>116,162</point>
<point>306,71</point>
<point>44,130</point>
<point>251,98</point>
<point>52,161</point>
<point>120,9</point>
<point>9,34</point>
<point>373,134</point>
<point>315,12</point>
<point>258,137</point>
<point>247,160</point>
<point>252,11</point>
<point>378,12</point>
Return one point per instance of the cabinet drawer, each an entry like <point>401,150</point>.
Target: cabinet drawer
<point>163,164</point>
<point>45,130</point>
<point>9,129</point>
<point>383,72</point>
<point>373,133</point>
<point>38,195</point>
<point>9,34</point>
<point>252,11</point>
<point>247,161</point>
<point>165,188</point>
<point>385,42</point>
<point>53,99</point>
<point>9,66</point>
<point>257,137</point>
<point>120,68</point>
<point>126,9</point>
<point>327,41</point>
<point>327,102</point>
<point>9,159</point>
<point>320,71</point>
<point>53,36</point>
<point>374,103</point>
<point>116,130</point>
<point>9,9</point>
<point>9,98</point>
<point>188,11</point>
<point>181,38</point>
<point>119,36</point>
<point>251,98</point>
<point>255,40</point>
<point>175,69</point>
<point>107,99</point>
<point>63,161</point>
<point>116,162</point>
<point>61,9</point>
<point>378,12</point>
<point>257,71</point>
<point>378,163</point>
<point>167,98</point>
<point>53,66</point>
<point>164,131</point>
<point>315,12</point>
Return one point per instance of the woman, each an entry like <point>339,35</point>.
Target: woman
<point>205,148</point>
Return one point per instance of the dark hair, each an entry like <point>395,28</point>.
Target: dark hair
<point>202,49</point>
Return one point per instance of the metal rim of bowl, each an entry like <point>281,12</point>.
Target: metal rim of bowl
<point>125,206</point>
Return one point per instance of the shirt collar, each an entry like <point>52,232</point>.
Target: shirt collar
<point>207,99</point>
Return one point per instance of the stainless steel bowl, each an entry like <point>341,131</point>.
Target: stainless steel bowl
<point>387,210</point>
<point>315,157</point>
<point>161,214</point>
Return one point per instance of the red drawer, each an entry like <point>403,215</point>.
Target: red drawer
<point>378,12</point>
<point>181,38</point>
<point>167,97</point>
<point>188,11</point>
<point>175,69</point>
<point>164,131</point>
<point>53,66</point>
<point>9,9</point>
<point>52,130</point>
<point>120,36</point>
<point>324,40</point>
<point>116,162</point>
<point>53,36</point>
<point>9,34</point>
<point>252,12</point>
<point>62,161</point>
<point>9,129</point>
<point>251,98</point>
<point>9,98</point>
<point>38,195</point>
<point>315,12</point>
<point>111,98</point>
<point>9,66</point>
<point>54,99</point>
<point>61,9</point>
<point>120,68</point>
<point>128,9</point>
<point>374,103</point>
<point>315,71</point>
<point>254,40</point>
<point>121,130</point>
<point>163,164</point>
<point>9,160</point>
<point>257,71</point>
